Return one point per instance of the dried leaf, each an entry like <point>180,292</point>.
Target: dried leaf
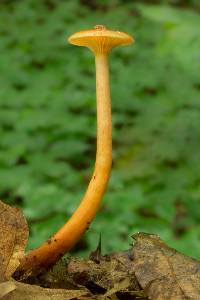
<point>13,238</point>
<point>111,275</point>
<point>121,286</point>
<point>6,288</point>
<point>31,292</point>
<point>164,273</point>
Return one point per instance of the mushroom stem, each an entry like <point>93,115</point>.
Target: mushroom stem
<point>104,122</point>
<point>47,254</point>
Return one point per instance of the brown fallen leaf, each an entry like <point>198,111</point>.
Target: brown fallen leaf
<point>110,276</point>
<point>32,292</point>
<point>13,238</point>
<point>164,273</point>
<point>6,287</point>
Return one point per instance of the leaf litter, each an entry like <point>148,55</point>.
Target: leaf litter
<point>149,270</point>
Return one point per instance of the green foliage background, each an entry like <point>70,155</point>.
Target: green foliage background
<point>48,125</point>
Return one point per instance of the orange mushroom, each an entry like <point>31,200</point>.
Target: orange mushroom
<point>100,41</point>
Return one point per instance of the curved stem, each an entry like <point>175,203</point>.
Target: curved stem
<point>63,240</point>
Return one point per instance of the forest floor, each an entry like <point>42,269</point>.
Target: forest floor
<point>148,270</point>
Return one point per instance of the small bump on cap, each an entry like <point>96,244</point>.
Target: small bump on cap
<point>100,39</point>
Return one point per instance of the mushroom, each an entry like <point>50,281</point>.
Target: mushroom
<point>100,41</point>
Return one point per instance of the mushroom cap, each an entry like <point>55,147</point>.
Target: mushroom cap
<point>100,39</point>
